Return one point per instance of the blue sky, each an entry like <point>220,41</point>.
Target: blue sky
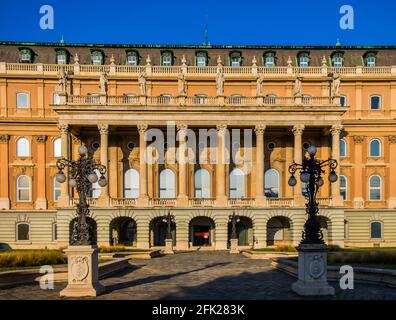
<point>308,22</point>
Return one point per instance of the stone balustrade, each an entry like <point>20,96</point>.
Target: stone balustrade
<point>280,202</point>
<point>242,71</point>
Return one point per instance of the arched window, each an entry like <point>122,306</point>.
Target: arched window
<point>132,58</point>
<point>23,231</point>
<point>344,187</point>
<point>270,99</point>
<point>131,184</point>
<point>201,59</point>
<point>56,189</point>
<point>337,60</point>
<point>57,148</point>
<point>237,184</point>
<point>23,147</point>
<point>95,187</point>
<point>167,184</point>
<point>375,148</point>
<point>303,59</point>
<point>271,179</point>
<point>56,99</point>
<point>22,100</point>
<point>200,99</point>
<point>375,102</point>
<point>23,189</point>
<point>97,57</point>
<point>269,59</point>
<point>343,100</point>
<point>61,56</point>
<point>343,148</point>
<point>375,188</point>
<point>375,230</point>
<point>202,183</point>
<point>166,58</point>
<point>235,59</point>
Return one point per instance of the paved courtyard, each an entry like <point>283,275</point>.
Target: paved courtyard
<point>200,275</point>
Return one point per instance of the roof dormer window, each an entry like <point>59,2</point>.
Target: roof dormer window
<point>97,57</point>
<point>235,59</point>
<point>61,57</point>
<point>337,60</point>
<point>369,59</point>
<point>25,55</point>
<point>269,59</point>
<point>132,58</point>
<point>166,58</point>
<point>303,59</point>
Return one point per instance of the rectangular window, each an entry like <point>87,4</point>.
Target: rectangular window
<point>61,59</point>
<point>371,62</point>
<point>269,61</point>
<point>235,62</point>
<point>201,61</point>
<point>22,100</point>
<point>375,103</point>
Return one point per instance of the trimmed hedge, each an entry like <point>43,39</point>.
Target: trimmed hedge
<point>363,257</point>
<point>31,258</point>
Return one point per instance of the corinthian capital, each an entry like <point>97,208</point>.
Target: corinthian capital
<point>392,139</point>
<point>358,139</point>
<point>41,139</point>
<point>103,128</point>
<point>336,129</point>
<point>63,128</point>
<point>259,129</point>
<point>4,138</point>
<point>221,128</point>
<point>142,128</point>
<point>181,127</point>
<point>298,129</point>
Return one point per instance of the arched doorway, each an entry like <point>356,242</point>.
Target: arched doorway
<point>202,232</point>
<point>324,227</point>
<point>92,226</point>
<point>158,230</point>
<point>279,231</point>
<point>123,231</point>
<point>244,230</point>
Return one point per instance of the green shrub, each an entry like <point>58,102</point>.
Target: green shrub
<point>363,257</point>
<point>31,258</point>
<point>285,248</point>
<point>107,249</point>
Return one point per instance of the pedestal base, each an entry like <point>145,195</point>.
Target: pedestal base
<point>83,275</point>
<point>169,246</point>
<point>312,271</point>
<point>234,246</point>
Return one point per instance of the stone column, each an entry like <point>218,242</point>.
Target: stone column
<point>357,173</point>
<point>182,198</point>
<point>63,200</point>
<point>260,198</point>
<point>335,154</point>
<point>41,200</point>
<point>104,145</point>
<point>221,198</point>
<point>4,183</point>
<point>143,196</point>
<point>392,172</point>
<point>298,132</point>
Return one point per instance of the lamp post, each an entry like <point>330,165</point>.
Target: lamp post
<point>234,219</point>
<point>169,219</point>
<point>312,258</point>
<point>82,251</point>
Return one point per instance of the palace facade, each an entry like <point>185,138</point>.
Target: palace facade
<point>55,97</point>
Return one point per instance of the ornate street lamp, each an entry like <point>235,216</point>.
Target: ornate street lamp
<point>82,175</point>
<point>312,251</point>
<point>311,171</point>
<point>169,219</point>
<point>82,253</point>
<point>234,219</point>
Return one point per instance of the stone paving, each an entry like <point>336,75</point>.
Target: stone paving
<point>200,275</point>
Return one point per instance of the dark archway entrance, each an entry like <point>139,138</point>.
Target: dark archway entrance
<point>279,231</point>
<point>158,230</point>
<point>202,232</point>
<point>244,229</point>
<point>92,225</point>
<point>123,231</point>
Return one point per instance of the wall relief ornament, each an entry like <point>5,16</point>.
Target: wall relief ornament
<point>392,139</point>
<point>4,138</point>
<point>41,139</point>
<point>79,268</point>
<point>358,139</point>
<point>316,266</point>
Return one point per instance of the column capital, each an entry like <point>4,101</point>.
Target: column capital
<point>358,139</point>
<point>259,129</point>
<point>181,127</point>
<point>392,139</point>
<point>336,129</point>
<point>75,139</point>
<point>4,138</point>
<point>63,127</point>
<point>103,128</point>
<point>298,129</point>
<point>41,139</point>
<point>221,128</point>
<point>142,128</point>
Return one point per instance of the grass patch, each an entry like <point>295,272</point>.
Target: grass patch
<point>113,249</point>
<point>363,257</point>
<point>31,258</point>
<point>283,248</point>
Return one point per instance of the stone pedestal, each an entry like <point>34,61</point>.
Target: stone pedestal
<point>169,246</point>
<point>234,246</point>
<point>312,271</point>
<point>83,272</point>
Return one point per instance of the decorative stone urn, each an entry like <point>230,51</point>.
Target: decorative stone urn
<point>234,246</point>
<point>312,271</point>
<point>83,272</point>
<point>169,246</point>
